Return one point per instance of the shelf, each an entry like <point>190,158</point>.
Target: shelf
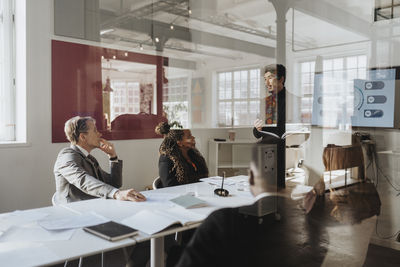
<point>236,142</point>
<point>233,166</point>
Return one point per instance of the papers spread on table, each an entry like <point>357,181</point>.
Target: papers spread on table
<point>111,231</point>
<point>153,197</point>
<point>70,222</point>
<point>20,217</point>
<point>189,201</point>
<point>34,233</point>
<point>153,221</point>
<point>217,180</point>
<point>23,254</point>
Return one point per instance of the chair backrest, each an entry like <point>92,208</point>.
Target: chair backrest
<point>54,201</point>
<point>157,183</point>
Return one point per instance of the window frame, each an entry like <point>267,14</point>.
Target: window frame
<point>188,97</point>
<point>232,99</point>
<point>8,71</point>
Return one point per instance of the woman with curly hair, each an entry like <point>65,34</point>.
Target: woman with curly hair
<point>180,162</point>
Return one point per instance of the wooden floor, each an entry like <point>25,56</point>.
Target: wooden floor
<point>382,257</point>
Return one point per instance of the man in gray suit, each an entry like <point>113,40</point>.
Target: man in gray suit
<point>78,174</point>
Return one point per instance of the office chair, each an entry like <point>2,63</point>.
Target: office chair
<point>157,183</point>
<point>54,199</point>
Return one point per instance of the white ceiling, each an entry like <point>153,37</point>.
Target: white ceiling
<point>317,23</point>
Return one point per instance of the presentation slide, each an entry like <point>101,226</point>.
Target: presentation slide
<point>374,99</point>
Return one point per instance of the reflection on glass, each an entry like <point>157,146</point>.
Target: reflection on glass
<point>131,91</point>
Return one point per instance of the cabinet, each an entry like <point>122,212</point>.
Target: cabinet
<point>234,157</point>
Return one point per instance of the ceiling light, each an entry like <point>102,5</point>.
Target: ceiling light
<point>114,57</point>
<point>189,11</point>
<point>102,57</point>
<point>141,47</point>
<point>106,31</point>
<point>126,54</point>
<point>171,27</point>
<point>156,39</point>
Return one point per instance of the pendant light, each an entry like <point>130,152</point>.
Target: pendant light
<point>107,87</point>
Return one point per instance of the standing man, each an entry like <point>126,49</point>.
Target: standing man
<point>78,174</point>
<point>275,113</point>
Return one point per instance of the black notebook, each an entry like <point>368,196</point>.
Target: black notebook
<point>111,231</point>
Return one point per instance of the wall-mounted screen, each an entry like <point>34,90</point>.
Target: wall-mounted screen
<point>355,98</point>
<point>374,99</point>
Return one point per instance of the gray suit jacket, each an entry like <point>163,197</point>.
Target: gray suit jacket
<point>76,177</point>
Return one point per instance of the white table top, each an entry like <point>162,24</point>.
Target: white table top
<point>85,244</point>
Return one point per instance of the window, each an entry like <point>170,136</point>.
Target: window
<point>7,71</point>
<point>175,101</point>
<point>124,98</point>
<point>238,97</point>
<point>338,76</point>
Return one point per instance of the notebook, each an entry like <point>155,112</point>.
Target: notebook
<point>153,221</point>
<point>111,231</point>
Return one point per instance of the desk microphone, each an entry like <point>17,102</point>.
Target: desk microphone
<point>221,191</point>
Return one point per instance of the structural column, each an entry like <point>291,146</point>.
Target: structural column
<point>281,8</point>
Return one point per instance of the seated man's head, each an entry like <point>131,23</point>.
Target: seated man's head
<point>82,131</point>
<point>176,138</point>
<point>274,77</point>
<point>259,179</point>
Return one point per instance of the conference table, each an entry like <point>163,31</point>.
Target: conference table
<point>23,252</point>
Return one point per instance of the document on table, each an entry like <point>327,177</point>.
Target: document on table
<point>75,221</point>
<point>34,233</point>
<point>189,201</point>
<point>19,217</point>
<point>22,216</point>
<point>23,254</point>
<point>217,180</point>
<point>151,222</point>
<point>154,197</point>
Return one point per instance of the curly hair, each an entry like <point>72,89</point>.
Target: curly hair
<point>169,148</point>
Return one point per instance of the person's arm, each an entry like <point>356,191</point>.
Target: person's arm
<point>257,128</point>
<point>165,172</point>
<point>256,133</point>
<point>113,178</point>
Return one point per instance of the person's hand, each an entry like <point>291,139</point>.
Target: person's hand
<point>258,124</point>
<point>107,148</point>
<point>130,195</point>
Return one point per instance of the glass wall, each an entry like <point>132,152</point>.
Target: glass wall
<point>205,69</point>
